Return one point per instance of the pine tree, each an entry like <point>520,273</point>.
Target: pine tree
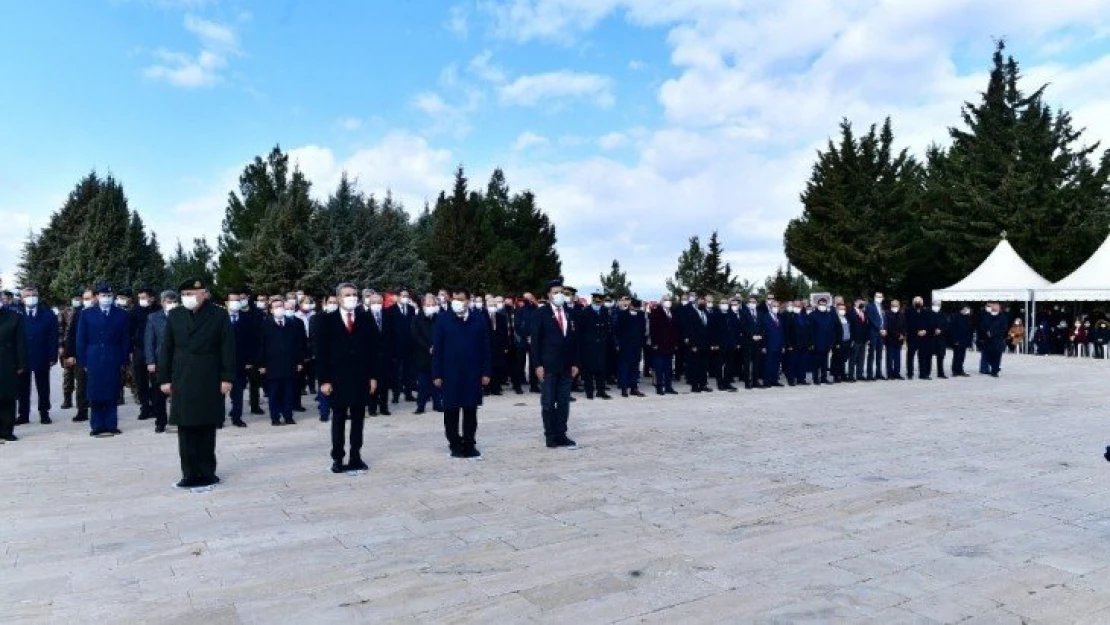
<point>278,254</point>
<point>393,261</point>
<point>100,251</point>
<point>262,185</point>
<point>533,234</point>
<point>42,253</point>
<point>690,274</point>
<point>616,283</point>
<point>718,279</point>
<point>456,252</point>
<point>196,263</point>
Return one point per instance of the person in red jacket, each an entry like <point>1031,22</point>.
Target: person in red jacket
<point>663,342</point>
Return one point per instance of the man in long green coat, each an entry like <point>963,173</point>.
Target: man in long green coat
<point>196,366</point>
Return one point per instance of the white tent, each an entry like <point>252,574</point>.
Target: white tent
<point>1089,283</point>
<point>1002,277</point>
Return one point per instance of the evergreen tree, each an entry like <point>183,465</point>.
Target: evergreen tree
<point>718,279</point>
<point>99,252</point>
<point>340,232</point>
<point>42,253</point>
<point>278,254</point>
<point>616,283</point>
<point>393,260</point>
<point>456,252</point>
<point>690,274</point>
<point>533,235</point>
<point>262,185</point>
<point>197,263</point>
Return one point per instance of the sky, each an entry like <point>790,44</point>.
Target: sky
<point>637,123</point>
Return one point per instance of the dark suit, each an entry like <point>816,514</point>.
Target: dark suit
<point>555,349</point>
<point>940,340</point>
<point>41,326</point>
<point>994,329</point>
<point>959,335</point>
<point>13,360</point>
<point>751,348</point>
<point>461,357</point>
<point>423,328</point>
<point>842,346</point>
<point>499,341</point>
<point>774,342</point>
<point>798,365</point>
<point>347,358</point>
<point>861,334</point>
<point>876,322</point>
<point>919,346</point>
<point>152,342</point>
<point>383,331</point>
<point>629,332</point>
<point>145,386</point>
<point>280,352</point>
<point>822,337</point>
<point>245,330</point>
<point>404,371</point>
<point>895,339</point>
<point>695,333</point>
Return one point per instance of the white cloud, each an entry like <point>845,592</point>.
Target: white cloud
<point>756,88</point>
<point>482,67</point>
<point>456,23</point>
<point>218,42</point>
<point>528,140</point>
<point>558,87</point>
<point>349,123</point>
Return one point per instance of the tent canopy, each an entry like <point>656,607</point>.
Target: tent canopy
<point>1089,283</point>
<point>1003,276</point>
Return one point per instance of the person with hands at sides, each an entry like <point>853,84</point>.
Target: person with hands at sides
<point>348,363</point>
<point>554,350</point>
<point>13,362</point>
<point>153,335</point>
<point>461,367</point>
<point>196,369</point>
<point>279,358</point>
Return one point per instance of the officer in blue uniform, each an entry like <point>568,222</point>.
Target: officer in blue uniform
<point>103,346</point>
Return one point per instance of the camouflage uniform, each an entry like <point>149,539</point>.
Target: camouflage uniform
<point>65,321</point>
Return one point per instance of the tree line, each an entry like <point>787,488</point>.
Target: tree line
<point>276,237</point>
<point>875,217</point>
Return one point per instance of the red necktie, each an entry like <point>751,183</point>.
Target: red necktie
<point>559,318</point>
<point>350,322</point>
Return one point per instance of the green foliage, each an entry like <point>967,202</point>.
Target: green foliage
<point>616,283</point>
<point>278,253</point>
<point>701,270</point>
<point>42,253</point>
<point>101,250</point>
<point>262,185</point>
<point>199,262</point>
<point>873,220</point>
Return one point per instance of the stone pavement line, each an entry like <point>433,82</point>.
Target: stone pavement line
<point>975,499</point>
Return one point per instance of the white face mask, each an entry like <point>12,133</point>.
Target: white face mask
<point>735,307</point>
<point>144,303</point>
<point>122,301</point>
<point>278,313</point>
<point>841,312</point>
<point>610,304</point>
<point>32,301</point>
<point>774,310</point>
<point>559,299</point>
<point>500,307</point>
<point>994,312</point>
<point>106,301</point>
<point>723,307</point>
<point>789,309</point>
<point>491,309</point>
<point>667,304</point>
<point>405,301</point>
<point>431,310</point>
<point>235,306</point>
<point>751,306</point>
<point>936,308</point>
<point>366,302</point>
<point>350,302</point>
<point>894,309</point>
<point>75,303</point>
<point>89,303</point>
<point>289,312</point>
<point>169,306</point>
<point>189,302</point>
<point>330,308</point>
<point>458,306</point>
<point>375,308</point>
<point>878,300</point>
<point>822,308</point>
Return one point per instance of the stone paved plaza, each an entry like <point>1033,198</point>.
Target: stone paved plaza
<point>973,500</point>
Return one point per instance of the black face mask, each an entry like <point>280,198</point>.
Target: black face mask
<point>701,306</point>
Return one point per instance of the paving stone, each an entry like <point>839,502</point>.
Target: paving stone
<point>971,500</point>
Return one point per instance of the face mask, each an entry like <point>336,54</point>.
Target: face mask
<point>596,307</point>
<point>841,312</point>
<point>667,304</point>
<point>144,303</point>
<point>350,302</point>
<point>774,310</point>
<point>375,308</point>
<point>723,307</point>
<point>366,302</point>
<point>32,301</point>
<point>330,308</point>
<point>169,306</point>
<point>751,306</point>
<point>289,312</point>
<point>235,306</point>
<point>878,300</point>
<point>709,303</point>
<point>431,310</point>
<point>189,302</point>
<point>691,300</point>
<point>405,301</point>
<point>559,299</point>
<point>994,312</point>
<point>279,313</point>
<point>822,308</point>
<point>735,308</point>
<point>789,309</point>
<point>88,303</point>
<point>500,307</point>
<point>308,307</point>
<point>458,306</point>
<point>106,301</point>
<point>610,304</point>
<point>634,312</point>
<point>75,303</point>
<point>894,309</point>
<point>491,309</point>
<point>122,301</point>
<point>965,312</point>
<point>936,308</point>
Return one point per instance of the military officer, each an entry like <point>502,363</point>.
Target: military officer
<point>66,320</point>
<point>103,346</point>
<point>196,368</point>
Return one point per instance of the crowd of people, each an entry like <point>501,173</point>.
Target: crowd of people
<point>196,363</point>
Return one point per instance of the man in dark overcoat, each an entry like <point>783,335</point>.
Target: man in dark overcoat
<point>461,367</point>
<point>103,346</point>
<point>196,369</point>
<point>13,362</point>
<point>596,334</point>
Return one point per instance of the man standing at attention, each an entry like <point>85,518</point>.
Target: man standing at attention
<point>461,368</point>
<point>554,350</point>
<point>41,326</point>
<point>13,363</point>
<point>196,368</point>
<point>876,323</point>
<point>103,343</point>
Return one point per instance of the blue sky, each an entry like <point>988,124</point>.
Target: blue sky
<point>637,123</point>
